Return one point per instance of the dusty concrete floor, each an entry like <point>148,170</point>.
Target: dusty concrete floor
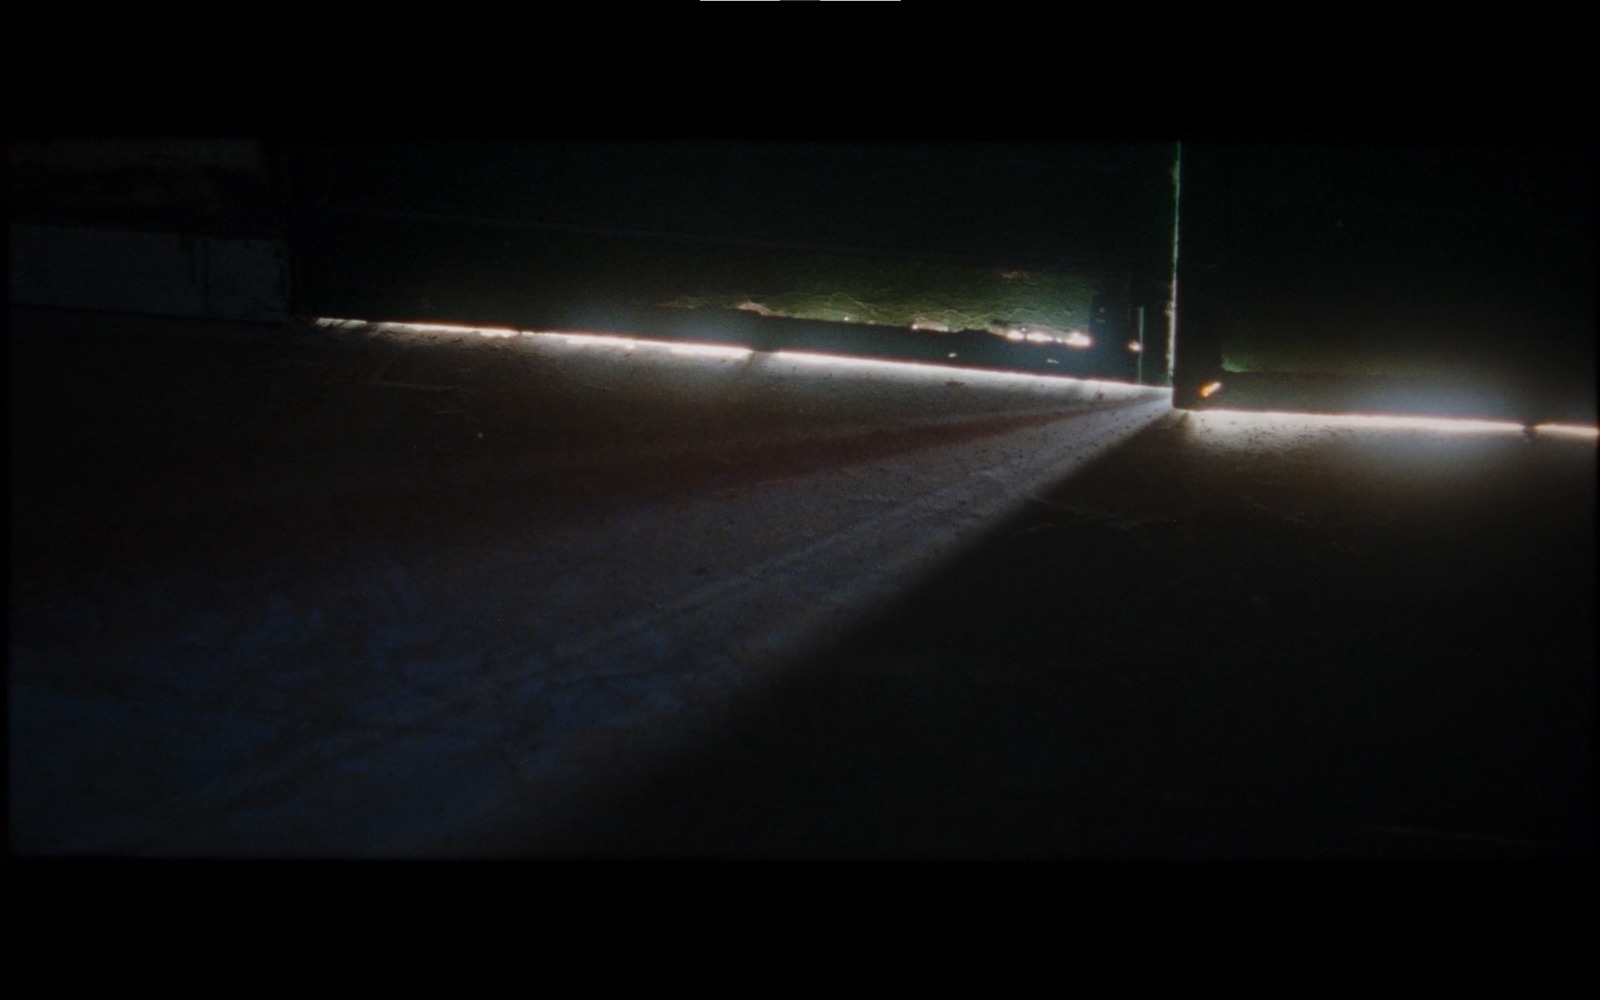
<point>302,592</point>
<point>1229,639</point>
<point>351,593</point>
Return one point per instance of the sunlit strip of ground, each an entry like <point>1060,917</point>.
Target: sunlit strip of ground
<point>1569,430</point>
<point>1266,427</point>
<point>435,328</point>
<point>909,370</point>
<point>965,376</point>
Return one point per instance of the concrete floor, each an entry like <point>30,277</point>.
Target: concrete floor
<point>1232,638</point>
<point>355,593</point>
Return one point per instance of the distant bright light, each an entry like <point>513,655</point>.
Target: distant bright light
<point>1135,346</point>
<point>1210,389</point>
<point>1078,339</point>
<point>1035,337</point>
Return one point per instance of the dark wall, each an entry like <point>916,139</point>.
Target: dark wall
<point>216,187</point>
<point>1010,203</point>
<point>156,225</point>
<point>498,218</point>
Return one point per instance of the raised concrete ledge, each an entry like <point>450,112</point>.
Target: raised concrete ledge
<point>163,274</point>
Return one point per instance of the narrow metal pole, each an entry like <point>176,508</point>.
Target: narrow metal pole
<point>1172,295</point>
<point>1139,376</point>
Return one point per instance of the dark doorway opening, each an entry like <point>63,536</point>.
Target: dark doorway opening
<point>1441,278</point>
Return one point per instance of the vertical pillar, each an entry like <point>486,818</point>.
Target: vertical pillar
<point>1152,211</point>
<point>1205,233</point>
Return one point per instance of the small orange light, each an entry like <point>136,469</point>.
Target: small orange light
<point>1210,389</point>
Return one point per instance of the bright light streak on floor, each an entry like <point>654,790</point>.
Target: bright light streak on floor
<point>1251,429</point>
<point>911,371</point>
<point>842,362</point>
<point>711,351</point>
<point>589,340</point>
<point>969,376</point>
<point>1568,430</point>
<point>1379,421</point>
<point>436,328</point>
